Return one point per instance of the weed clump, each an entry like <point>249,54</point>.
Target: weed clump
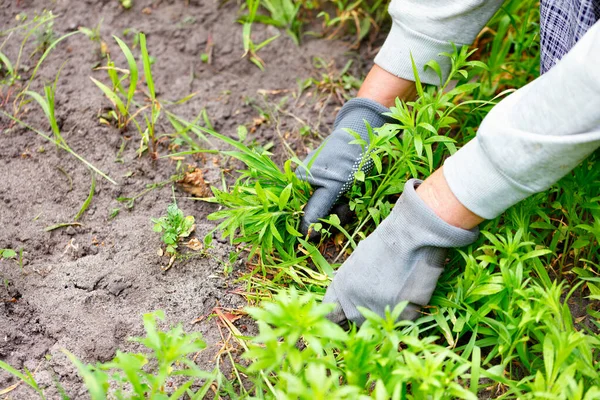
<point>174,226</point>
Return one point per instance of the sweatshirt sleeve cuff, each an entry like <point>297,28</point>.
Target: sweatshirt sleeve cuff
<point>401,42</point>
<point>478,184</point>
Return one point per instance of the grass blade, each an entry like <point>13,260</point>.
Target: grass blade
<point>87,201</point>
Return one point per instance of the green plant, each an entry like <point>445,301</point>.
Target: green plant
<point>47,104</point>
<point>7,253</point>
<point>122,107</point>
<point>126,109</point>
<point>174,226</point>
<point>250,48</point>
<point>358,17</point>
<point>126,4</point>
<point>282,14</point>
<point>331,82</point>
<point>44,35</point>
<point>165,372</point>
<point>94,35</point>
<point>263,207</point>
<point>8,73</point>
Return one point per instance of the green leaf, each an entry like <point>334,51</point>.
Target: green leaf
<point>88,200</point>
<point>133,71</point>
<point>317,258</point>
<point>112,96</point>
<point>285,196</point>
<point>436,67</point>
<point>147,69</point>
<point>8,253</point>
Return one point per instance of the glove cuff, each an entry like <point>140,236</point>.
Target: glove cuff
<point>427,228</point>
<point>356,111</point>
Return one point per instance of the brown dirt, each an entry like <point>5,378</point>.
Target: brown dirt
<point>85,288</point>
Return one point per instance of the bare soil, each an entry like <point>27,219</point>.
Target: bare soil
<point>84,288</point>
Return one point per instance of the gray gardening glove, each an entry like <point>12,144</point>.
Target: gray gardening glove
<point>400,261</point>
<point>332,173</point>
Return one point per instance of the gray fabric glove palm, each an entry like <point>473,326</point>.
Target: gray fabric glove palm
<point>400,261</point>
<point>332,172</point>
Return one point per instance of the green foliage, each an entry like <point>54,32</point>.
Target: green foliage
<point>174,227</point>
<point>263,208</point>
<point>251,48</point>
<point>95,37</point>
<point>331,82</point>
<point>165,372</point>
<point>30,29</point>
<point>120,95</point>
<point>500,317</point>
<point>8,73</point>
<point>7,253</point>
<point>282,14</point>
<point>145,375</point>
<point>358,18</point>
<point>47,105</point>
<point>126,4</point>
<point>384,359</point>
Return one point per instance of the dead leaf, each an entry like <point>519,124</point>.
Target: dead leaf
<point>257,122</point>
<point>194,244</point>
<point>171,261</point>
<point>275,91</point>
<point>147,11</point>
<point>224,315</point>
<point>193,182</point>
<point>103,48</point>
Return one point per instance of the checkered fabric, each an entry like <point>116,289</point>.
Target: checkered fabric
<point>563,23</point>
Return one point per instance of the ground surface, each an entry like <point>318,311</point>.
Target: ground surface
<point>85,288</point>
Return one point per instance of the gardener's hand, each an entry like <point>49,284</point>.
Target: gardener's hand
<point>400,261</point>
<point>337,161</point>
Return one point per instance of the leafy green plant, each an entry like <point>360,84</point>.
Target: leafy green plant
<point>47,105</point>
<point>7,253</point>
<point>174,226</point>
<point>282,14</point>
<point>263,207</point>
<point>165,372</point>
<point>145,376</point>
<point>8,73</point>
<point>126,109</point>
<point>384,359</point>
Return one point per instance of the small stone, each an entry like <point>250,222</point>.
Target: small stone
<point>70,231</point>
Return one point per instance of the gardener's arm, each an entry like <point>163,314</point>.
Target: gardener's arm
<point>533,137</point>
<point>526,143</point>
<point>423,28</point>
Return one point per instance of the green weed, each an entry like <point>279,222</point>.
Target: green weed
<point>282,14</point>
<point>174,226</point>
<point>7,253</point>
<point>165,372</point>
<point>251,48</point>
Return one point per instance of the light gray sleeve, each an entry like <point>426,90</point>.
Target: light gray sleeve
<point>533,137</point>
<point>425,28</point>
